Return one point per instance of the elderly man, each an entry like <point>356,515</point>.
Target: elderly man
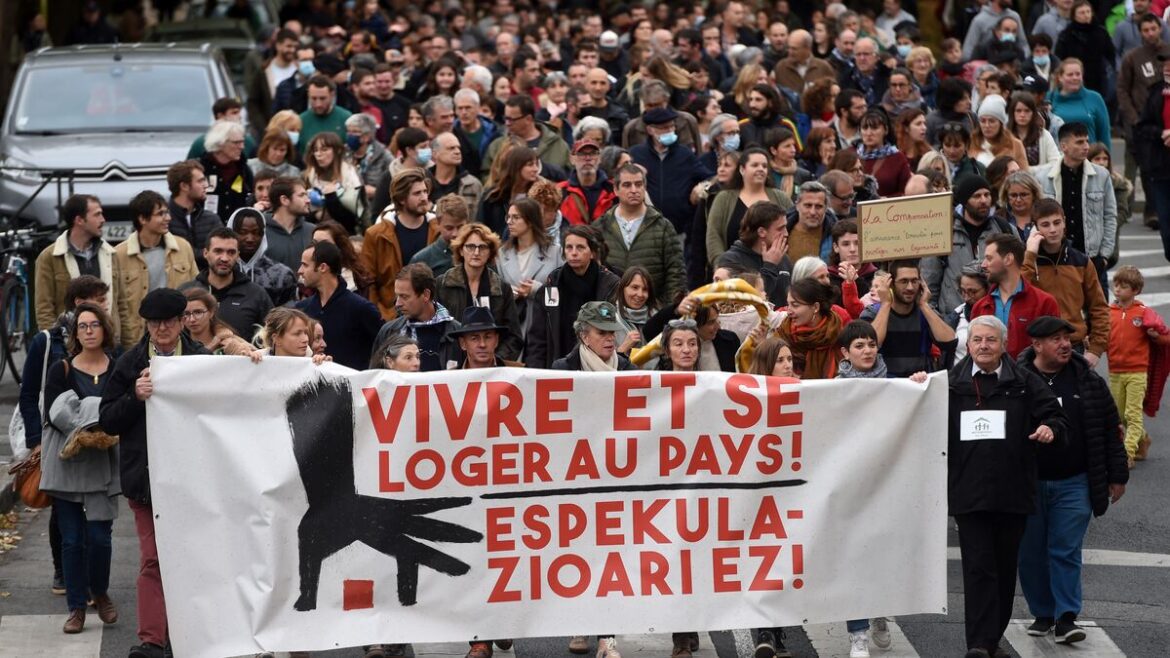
<point>655,94</point>
<point>369,157</point>
<point>588,192</point>
<point>800,69</point>
<point>999,413</point>
<point>438,114</point>
<point>123,413</point>
<point>841,193</point>
<point>868,75</point>
<point>449,176</point>
<point>1077,481</point>
<point>473,129</point>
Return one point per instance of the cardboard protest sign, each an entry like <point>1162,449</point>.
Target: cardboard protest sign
<point>905,227</point>
<point>309,508</point>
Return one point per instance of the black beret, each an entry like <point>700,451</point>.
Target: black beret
<point>162,304</point>
<point>1048,325</point>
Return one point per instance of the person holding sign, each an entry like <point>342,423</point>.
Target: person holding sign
<point>999,412</point>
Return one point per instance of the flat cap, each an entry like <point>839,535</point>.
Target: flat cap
<point>658,116</point>
<point>1048,325</point>
<point>162,304</point>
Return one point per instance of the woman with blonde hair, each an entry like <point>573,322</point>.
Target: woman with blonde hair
<point>920,62</point>
<point>289,123</point>
<point>287,332</point>
<point>470,282</point>
<point>338,182</point>
<point>1017,197</point>
<point>935,161</point>
<point>1073,101</point>
<point>276,153</point>
<point>737,101</point>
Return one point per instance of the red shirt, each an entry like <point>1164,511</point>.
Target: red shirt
<point>1027,305</point>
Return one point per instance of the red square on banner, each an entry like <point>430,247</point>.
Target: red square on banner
<point>357,594</point>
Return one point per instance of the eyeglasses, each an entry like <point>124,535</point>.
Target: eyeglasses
<point>475,248</point>
<point>508,119</point>
<point>194,315</point>
<point>85,327</point>
<point>848,197</point>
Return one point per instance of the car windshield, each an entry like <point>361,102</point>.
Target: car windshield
<point>115,96</point>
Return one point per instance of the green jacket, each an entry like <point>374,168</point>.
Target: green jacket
<point>551,149</point>
<point>720,216</point>
<point>655,247</point>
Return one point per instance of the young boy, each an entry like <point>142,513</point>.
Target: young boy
<point>1136,338</point>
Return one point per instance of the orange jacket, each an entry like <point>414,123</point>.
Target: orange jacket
<point>382,256</point>
<point>1129,344</point>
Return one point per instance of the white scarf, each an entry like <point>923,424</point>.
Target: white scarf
<point>591,362</point>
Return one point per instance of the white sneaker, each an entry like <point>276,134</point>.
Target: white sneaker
<point>607,648</point>
<point>880,632</point>
<point>859,645</point>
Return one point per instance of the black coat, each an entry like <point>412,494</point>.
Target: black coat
<point>194,228</point>
<point>776,277</point>
<point>1104,448</point>
<point>230,200</point>
<point>1093,46</point>
<point>726,342</point>
<point>1153,155</point>
<point>124,415</point>
<point>544,335</point>
<point>998,475</point>
<point>243,305</point>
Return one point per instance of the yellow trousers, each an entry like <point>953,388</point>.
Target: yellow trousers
<point>1129,389</point>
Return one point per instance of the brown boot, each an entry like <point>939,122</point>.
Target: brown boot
<point>107,611</point>
<point>1143,449</point>
<point>76,621</point>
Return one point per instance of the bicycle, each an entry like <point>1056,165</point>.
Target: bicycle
<point>17,325</point>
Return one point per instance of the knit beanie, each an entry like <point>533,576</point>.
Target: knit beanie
<point>967,186</point>
<point>995,107</point>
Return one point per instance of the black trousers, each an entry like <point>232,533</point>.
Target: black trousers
<point>990,547</point>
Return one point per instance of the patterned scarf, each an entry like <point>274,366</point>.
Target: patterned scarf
<point>883,151</point>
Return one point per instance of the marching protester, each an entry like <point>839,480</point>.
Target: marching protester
<point>811,328</point>
<point>204,325</point>
<point>1077,480</point>
<point>287,332</point>
<point>275,278</point>
<point>595,328</point>
<point>1135,330</point>
<point>422,318</point>
<point>910,333</point>
<point>78,251</point>
<point>351,321</point>
<point>397,352</point>
<point>287,229</point>
<point>244,303</point>
<point>999,412</point>
<point>472,283</point>
<point>973,228</point>
<point>1012,299</point>
<point>81,467</point>
<point>451,213</point>
<point>123,413</point>
<point>190,218</point>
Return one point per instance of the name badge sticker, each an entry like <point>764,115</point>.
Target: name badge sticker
<point>982,425</point>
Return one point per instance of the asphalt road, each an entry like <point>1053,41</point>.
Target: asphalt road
<point>1126,578</point>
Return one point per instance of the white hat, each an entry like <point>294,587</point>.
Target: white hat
<point>609,40</point>
<point>994,106</point>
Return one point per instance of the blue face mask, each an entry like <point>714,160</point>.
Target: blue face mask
<point>667,139</point>
<point>354,142</point>
<point>307,69</point>
<point>1041,60</point>
<point>423,156</point>
<point>1007,37</point>
<point>731,143</point>
<point>904,50</point>
<point>293,136</point>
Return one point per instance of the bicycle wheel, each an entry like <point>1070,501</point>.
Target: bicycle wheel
<point>14,319</point>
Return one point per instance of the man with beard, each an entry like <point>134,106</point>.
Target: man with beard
<point>189,220</point>
<point>776,48</point>
<point>1076,481</point>
<point>765,110</point>
<point>588,194</point>
<point>1011,299</point>
<point>972,227</point>
<point>242,304</point>
<point>277,279</point>
<point>398,235</point>
<point>907,326</point>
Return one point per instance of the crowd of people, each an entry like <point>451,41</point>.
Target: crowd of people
<point>422,188</point>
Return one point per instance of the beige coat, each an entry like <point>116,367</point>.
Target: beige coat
<point>180,267</point>
<point>56,267</point>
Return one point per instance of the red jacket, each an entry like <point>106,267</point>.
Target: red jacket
<point>1028,304</point>
<point>575,207</point>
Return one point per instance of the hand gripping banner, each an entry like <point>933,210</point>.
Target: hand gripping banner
<point>309,508</point>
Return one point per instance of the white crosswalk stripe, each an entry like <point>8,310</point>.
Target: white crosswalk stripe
<point>446,649</point>
<point>832,641</point>
<point>36,636</point>
<point>1096,643</point>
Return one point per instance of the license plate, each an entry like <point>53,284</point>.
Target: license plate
<point>117,231</point>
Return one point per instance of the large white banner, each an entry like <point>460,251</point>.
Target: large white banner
<point>309,508</point>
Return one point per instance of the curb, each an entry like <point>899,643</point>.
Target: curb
<point>7,495</point>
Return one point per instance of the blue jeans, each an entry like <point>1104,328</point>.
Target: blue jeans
<point>1159,191</point>
<point>857,625</point>
<point>1050,553</point>
<point>86,550</point>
